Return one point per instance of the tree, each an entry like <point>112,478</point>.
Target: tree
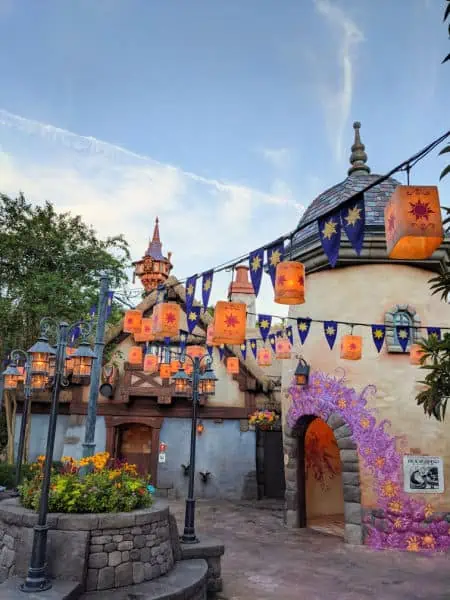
<point>446,149</point>
<point>49,266</point>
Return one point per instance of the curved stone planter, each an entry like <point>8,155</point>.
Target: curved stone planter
<point>101,551</point>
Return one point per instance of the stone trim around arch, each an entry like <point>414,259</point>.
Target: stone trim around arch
<point>350,476</point>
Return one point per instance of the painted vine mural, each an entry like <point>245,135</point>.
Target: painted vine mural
<point>399,521</point>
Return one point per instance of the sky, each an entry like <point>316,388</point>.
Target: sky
<point>223,118</point>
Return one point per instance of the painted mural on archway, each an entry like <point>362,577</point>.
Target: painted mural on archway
<point>407,523</point>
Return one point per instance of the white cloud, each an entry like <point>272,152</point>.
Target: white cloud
<point>279,158</point>
<point>337,98</point>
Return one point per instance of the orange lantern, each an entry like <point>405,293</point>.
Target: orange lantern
<point>233,365</point>
<point>145,334</point>
<point>132,321</point>
<point>166,320</point>
<point>415,354</point>
<point>264,357</point>
<point>229,323</point>
<point>164,371</point>
<point>210,335</point>
<point>290,283</point>
<point>174,366</point>
<point>413,223</point>
<point>135,355</point>
<point>351,347</point>
<point>188,367</point>
<point>283,349</point>
<point>150,363</point>
<point>195,351</point>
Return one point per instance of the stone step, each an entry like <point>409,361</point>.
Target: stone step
<point>186,581</point>
<point>60,590</point>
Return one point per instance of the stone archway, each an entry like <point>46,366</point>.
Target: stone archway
<point>294,448</point>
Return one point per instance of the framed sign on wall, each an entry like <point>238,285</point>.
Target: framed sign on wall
<point>423,474</point>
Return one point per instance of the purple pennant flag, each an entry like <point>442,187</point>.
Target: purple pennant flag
<point>221,351</point>
<point>330,236</point>
<point>264,322</point>
<point>190,292</point>
<point>109,301</point>
<point>244,349</point>
<point>290,334</point>
<point>210,350</point>
<point>330,330</point>
<point>402,336</point>
<point>275,255</point>
<point>183,340</point>
<point>378,335</point>
<point>192,318</point>
<point>273,342</point>
<point>256,261</point>
<point>303,326</point>
<point>93,311</point>
<point>434,331</point>
<point>353,222</point>
<point>279,333</point>
<point>206,287</point>
<point>254,347</point>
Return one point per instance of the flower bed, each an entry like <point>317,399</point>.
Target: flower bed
<point>264,419</point>
<point>95,484</point>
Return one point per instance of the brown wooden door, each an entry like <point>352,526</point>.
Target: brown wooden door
<point>135,446</point>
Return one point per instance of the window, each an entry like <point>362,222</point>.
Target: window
<point>405,316</point>
<point>402,318</point>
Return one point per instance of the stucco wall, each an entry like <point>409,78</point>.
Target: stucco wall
<point>364,293</point>
<point>38,435</point>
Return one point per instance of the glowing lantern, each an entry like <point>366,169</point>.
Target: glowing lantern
<point>132,321</point>
<point>181,381</point>
<point>150,363</point>
<point>135,355</point>
<point>229,323</point>
<point>210,335</point>
<point>233,365</point>
<point>166,320</point>
<point>200,428</point>
<point>195,351</point>
<point>164,371</point>
<point>82,363</point>
<point>290,283</point>
<point>11,377</point>
<point>413,223</point>
<point>174,366</point>
<point>264,357</point>
<point>146,333</point>
<point>188,367</point>
<point>302,373</point>
<point>283,349</point>
<point>351,347</point>
<point>415,354</point>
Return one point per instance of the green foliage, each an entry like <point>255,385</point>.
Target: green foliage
<point>3,432</point>
<point>8,473</point>
<point>436,362</point>
<point>445,150</point>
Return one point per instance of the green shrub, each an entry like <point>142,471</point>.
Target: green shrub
<point>8,474</point>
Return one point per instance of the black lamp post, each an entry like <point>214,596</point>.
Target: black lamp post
<point>37,580</point>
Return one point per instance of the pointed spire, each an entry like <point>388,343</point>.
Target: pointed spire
<point>155,247</point>
<point>358,157</point>
<point>156,237</point>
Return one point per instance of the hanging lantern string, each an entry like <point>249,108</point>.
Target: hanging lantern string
<point>405,165</point>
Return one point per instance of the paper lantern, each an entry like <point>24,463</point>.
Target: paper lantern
<point>229,323</point>
<point>415,354</point>
<point>195,351</point>
<point>146,333</point>
<point>283,349</point>
<point>210,335</point>
<point>233,365</point>
<point>164,371</point>
<point>166,320</point>
<point>413,223</point>
<point>174,366</point>
<point>290,283</point>
<point>132,321</point>
<point>264,357</point>
<point>351,347</point>
<point>188,367</point>
<point>135,355</point>
<point>150,363</point>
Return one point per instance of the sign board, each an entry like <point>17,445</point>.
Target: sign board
<point>162,457</point>
<point>162,447</point>
<point>423,474</point>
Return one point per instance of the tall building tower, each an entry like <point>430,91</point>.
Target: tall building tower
<point>153,268</point>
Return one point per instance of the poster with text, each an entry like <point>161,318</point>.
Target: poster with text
<point>423,474</point>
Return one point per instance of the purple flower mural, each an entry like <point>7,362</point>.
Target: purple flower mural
<point>400,522</point>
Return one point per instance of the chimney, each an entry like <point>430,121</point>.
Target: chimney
<point>241,290</point>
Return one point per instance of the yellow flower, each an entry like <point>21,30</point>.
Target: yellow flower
<point>365,423</point>
<point>367,450</point>
<point>397,523</point>
<point>389,489</point>
<point>428,541</point>
<point>395,506</point>
<point>428,510</point>
<point>342,403</point>
<point>413,543</point>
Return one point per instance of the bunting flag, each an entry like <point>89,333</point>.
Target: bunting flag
<point>256,261</point>
<point>273,342</point>
<point>254,347</point>
<point>290,334</point>
<point>303,326</point>
<point>190,292</point>
<point>93,311</point>
<point>206,287</point>
<point>192,318</point>
<point>221,351</point>
<point>76,332</point>
<point>353,221</point>
<point>264,322</point>
<point>109,302</point>
<point>244,350</point>
<point>279,333</point>
<point>330,330</point>
<point>330,236</point>
<point>210,350</point>
<point>275,255</point>
<point>378,335</point>
<point>183,340</point>
<point>402,336</point>
<point>434,331</point>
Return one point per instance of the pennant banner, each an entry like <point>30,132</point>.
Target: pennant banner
<point>190,292</point>
<point>192,318</point>
<point>76,332</point>
<point>275,255</point>
<point>402,336</point>
<point>264,322</point>
<point>290,334</point>
<point>221,351</point>
<point>330,330</point>
<point>256,261</point>
<point>330,236</point>
<point>434,331</point>
<point>109,301</point>
<point>378,335</point>
<point>254,347</point>
<point>273,342</point>
<point>93,311</point>
<point>279,333</point>
<point>353,221</point>
<point>206,287</point>
<point>303,326</point>
<point>183,340</point>
<point>210,350</point>
<point>244,350</point>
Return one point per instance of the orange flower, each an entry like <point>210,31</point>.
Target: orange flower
<point>428,541</point>
<point>428,510</point>
<point>389,489</point>
<point>413,543</point>
<point>397,523</point>
<point>365,423</point>
<point>342,403</point>
<point>380,462</point>
<point>395,506</point>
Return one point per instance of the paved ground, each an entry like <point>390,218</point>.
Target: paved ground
<point>265,561</point>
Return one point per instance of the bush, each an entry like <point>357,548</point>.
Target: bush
<point>8,474</point>
<point>108,486</point>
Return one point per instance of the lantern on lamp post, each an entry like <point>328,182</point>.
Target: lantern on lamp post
<point>302,373</point>
<point>82,363</point>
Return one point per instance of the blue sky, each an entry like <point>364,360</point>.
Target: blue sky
<point>225,118</point>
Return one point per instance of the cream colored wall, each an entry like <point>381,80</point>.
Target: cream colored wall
<point>364,293</point>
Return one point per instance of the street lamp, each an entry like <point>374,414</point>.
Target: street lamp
<point>37,580</point>
<point>302,373</point>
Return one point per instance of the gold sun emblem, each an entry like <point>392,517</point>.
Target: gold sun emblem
<point>264,324</point>
<point>275,258</point>
<point>329,229</point>
<point>256,263</point>
<point>190,290</point>
<point>302,326</point>
<point>330,330</point>
<point>207,284</point>
<point>353,216</point>
<point>378,334</point>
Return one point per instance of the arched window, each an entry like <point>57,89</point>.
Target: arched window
<point>405,316</point>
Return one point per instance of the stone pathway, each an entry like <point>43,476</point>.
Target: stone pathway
<point>265,561</point>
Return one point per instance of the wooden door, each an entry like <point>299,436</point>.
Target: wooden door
<point>135,446</point>
<point>274,482</point>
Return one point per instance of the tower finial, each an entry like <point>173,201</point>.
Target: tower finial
<point>358,157</point>
<point>156,237</point>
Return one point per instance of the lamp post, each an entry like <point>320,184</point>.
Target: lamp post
<point>37,580</point>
